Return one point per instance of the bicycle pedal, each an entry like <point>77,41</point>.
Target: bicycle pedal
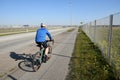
<point>48,58</point>
<point>48,52</point>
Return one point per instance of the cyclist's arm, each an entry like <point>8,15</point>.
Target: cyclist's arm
<point>49,35</point>
<point>36,36</point>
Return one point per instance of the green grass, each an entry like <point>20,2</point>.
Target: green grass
<point>70,30</point>
<point>87,62</point>
<point>11,31</point>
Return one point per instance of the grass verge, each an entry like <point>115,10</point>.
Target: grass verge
<point>87,62</point>
<point>70,30</point>
<point>12,33</point>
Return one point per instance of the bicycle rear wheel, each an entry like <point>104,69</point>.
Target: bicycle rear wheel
<point>26,66</point>
<point>36,62</point>
<point>36,65</point>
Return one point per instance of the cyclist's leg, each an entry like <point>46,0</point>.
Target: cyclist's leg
<point>49,48</point>
<point>39,44</point>
<point>46,51</point>
<point>45,45</point>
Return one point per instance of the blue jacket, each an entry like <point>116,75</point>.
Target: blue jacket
<point>41,35</point>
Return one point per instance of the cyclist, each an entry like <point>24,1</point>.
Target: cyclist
<point>40,38</point>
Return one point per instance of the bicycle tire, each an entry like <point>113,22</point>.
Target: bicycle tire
<point>23,67</point>
<point>36,65</point>
<point>35,62</point>
<point>28,62</point>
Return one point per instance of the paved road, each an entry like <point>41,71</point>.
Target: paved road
<point>13,42</point>
<point>56,68</point>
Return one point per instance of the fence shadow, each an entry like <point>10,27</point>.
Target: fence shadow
<point>11,77</point>
<point>61,55</point>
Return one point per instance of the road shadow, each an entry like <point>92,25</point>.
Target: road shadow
<point>22,64</point>
<point>16,56</point>
<point>61,55</point>
<point>11,77</point>
<point>71,57</point>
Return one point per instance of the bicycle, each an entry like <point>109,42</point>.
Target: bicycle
<point>35,60</point>
<point>40,56</point>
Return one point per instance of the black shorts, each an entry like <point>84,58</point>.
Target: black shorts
<point>44,44</point>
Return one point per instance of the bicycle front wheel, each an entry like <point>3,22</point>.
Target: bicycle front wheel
<point>50,50</point>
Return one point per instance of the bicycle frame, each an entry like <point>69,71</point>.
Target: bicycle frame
<point>34,61</point>
<point>42,51</point>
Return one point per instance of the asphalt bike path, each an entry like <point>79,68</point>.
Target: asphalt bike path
<point>56,68</point>
<point>18,44</point>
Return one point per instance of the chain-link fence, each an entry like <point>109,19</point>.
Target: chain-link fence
<point>105,33</point>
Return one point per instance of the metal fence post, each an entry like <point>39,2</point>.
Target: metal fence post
<point>110,38</point>
<point>95,32</point>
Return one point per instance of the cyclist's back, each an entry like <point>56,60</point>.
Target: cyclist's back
<point>40,38</point>
<point>41,35</point>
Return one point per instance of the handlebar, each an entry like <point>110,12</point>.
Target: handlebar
<point>50,41</point>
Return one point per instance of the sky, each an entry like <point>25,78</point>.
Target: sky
<point>55,12</point>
